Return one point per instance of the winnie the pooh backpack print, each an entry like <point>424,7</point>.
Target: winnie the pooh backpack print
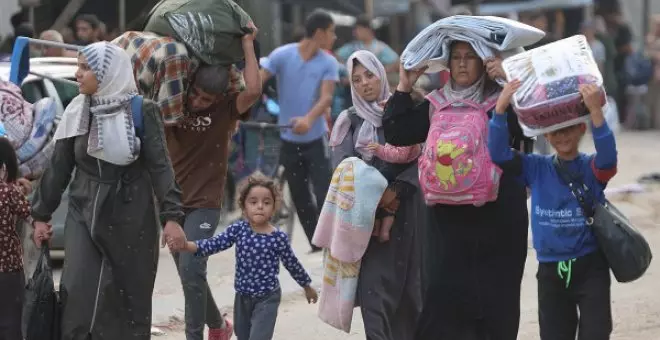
<point>455,167</point>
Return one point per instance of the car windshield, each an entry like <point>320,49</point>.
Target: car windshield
<point>66,91</point>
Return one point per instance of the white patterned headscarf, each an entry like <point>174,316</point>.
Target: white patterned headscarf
<point>371,112</point>
<point>114,72</point>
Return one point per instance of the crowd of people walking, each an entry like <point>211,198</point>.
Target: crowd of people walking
<point>433,270</point>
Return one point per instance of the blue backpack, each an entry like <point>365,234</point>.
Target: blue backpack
<point>138,120</point>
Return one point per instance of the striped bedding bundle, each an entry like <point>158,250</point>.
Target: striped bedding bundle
<point>29,128</point>
<point>488,36</point>
<point>344,230</point>
<point>550,76</point>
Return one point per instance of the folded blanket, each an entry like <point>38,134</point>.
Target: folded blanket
<point>15,113</point>
<point>551,75</point>
<point>488,36</point>
<point>34,167</point>
<point>45,111</point>
<point>344,230</point>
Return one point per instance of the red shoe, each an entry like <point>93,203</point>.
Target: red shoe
<point>222,333</point>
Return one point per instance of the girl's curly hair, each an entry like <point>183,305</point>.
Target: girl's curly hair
<point>258,179</point>
<point>8,161</point>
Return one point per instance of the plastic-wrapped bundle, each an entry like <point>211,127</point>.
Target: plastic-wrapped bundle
<point>488,35</point>
<point>212,29</point>
<point>15,113</point>
<point>549,98</point>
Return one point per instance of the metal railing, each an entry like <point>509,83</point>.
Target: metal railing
<point>20,59</point>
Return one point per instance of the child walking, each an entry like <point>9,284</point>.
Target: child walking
<point>259,249</point>
<point>13,207</point>
<point>573,274</point>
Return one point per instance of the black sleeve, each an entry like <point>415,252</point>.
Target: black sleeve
<point>159,165</point>
<point>404,123</point>
<point>55,179</point>
<point>517,138</point>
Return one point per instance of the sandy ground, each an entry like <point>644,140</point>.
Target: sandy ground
<point>636,305</point>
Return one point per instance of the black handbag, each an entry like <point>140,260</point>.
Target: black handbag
<point>42,310</point>
<point>626,250</point>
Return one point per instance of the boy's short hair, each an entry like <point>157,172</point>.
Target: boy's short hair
<point>212,79</point>
<point>364,22</point>
<point>317,20</point>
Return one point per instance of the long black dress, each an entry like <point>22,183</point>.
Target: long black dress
<point>474,291</point>
<point>111,232</point>
<point>392,282</point>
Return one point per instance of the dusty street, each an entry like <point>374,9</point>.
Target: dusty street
<point>636,305</point>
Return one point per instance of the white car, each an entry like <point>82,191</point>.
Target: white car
<point>35,88</point>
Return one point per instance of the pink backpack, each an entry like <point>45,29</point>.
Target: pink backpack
<point>455,167</point>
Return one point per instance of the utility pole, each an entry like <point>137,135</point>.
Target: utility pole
<point>474,7</point>
<point>122,15</point>
<point>369,8</point>
<point>646,10</point>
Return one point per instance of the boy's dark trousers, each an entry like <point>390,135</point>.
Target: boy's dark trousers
<point>12,294</point>
<point>588,291</point>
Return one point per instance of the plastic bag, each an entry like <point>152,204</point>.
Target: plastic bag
<point>549,97</point>
<point>42,310</point>
<point>212,29</point>
<point>611,112</point>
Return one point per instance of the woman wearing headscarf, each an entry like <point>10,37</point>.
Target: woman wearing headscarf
<point>390,282</point>
<point>112,226</point>
<point>474,291</point>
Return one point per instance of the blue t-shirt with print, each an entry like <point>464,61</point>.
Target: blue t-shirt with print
<point>299,86</point>
<point>559,229</point>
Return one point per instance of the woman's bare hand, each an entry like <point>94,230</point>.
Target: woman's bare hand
<point>25,185</point>
<point>407,79</point>
<point>494,68</point>
<point>42,233</point>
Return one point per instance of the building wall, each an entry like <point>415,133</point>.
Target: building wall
<point>633,11</point>
<point>7,9</point>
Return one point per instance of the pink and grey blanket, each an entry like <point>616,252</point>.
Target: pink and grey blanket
<point>344,230</point>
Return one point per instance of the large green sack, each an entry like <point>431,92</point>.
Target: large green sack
<point>212,29</point>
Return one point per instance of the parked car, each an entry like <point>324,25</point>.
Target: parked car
<point>35,88</point>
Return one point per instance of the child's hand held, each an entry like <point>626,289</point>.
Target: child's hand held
<point>504,100</point>
<point>311,295</point>
<point>373,146</point>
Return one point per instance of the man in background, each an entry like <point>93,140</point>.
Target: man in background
<point>365,39</point>
<point>87,29</point>
<point>53,35</point>
<point>623,38</point>
<point>306,77</point>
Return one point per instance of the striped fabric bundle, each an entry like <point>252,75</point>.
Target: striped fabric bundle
<point>488,35</point>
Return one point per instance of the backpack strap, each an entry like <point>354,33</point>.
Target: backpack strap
<point>356,121</point>
<point>138,119</point>
<point>437,99</point>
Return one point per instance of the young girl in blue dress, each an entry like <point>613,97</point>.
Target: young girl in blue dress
<point>259,249</point>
